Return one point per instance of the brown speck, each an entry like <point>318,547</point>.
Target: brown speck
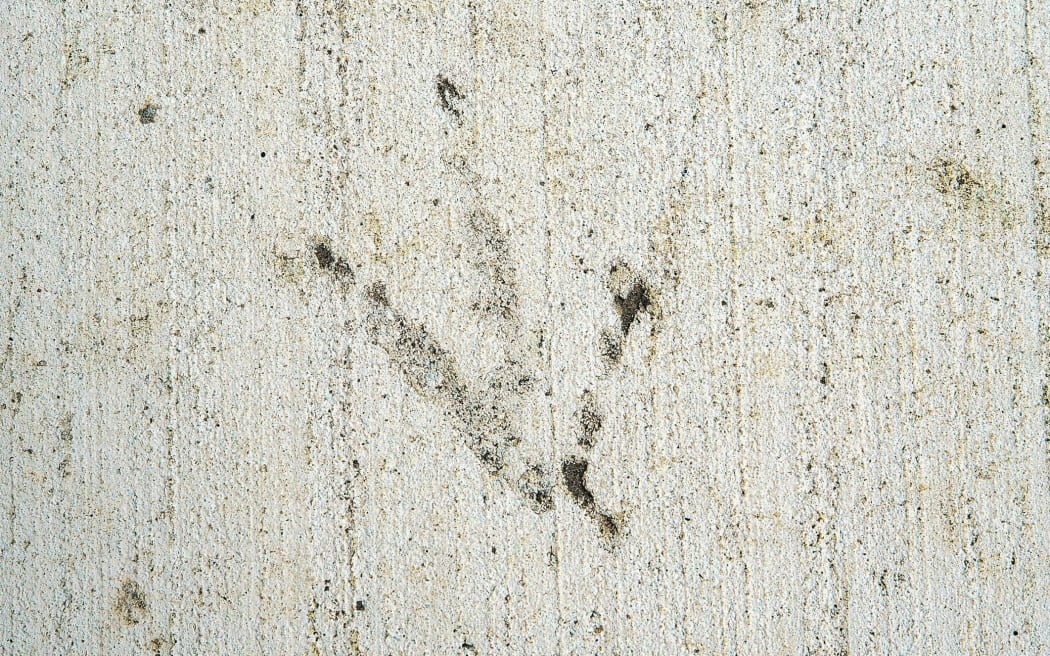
<point>574,473</point>
<point>610,346</point>
<point>148,113</point>
<point>628,306</point>
<point>130,606</point>
<point>449,96</point>
<point>329,262</point>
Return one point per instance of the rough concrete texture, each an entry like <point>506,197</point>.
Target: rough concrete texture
<point>335,327</point>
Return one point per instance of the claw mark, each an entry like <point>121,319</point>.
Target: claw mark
<point>590,422</point>
<point>430,371</point>
<point>574,473</point>
<point>329,262</point>
<point>449,96</point>
<point>495,263</point>
<point>130,605</point>
<point>630,295</point>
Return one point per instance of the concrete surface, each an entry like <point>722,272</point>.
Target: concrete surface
<point>559,327</point>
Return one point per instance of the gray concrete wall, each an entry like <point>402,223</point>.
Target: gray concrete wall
<point>336,327</point>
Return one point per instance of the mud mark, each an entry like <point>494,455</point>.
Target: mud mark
<point>130,606</point>
<point>610,347</point>
<point>148,113</point>
<point>574,474</point>
<point>636,300</point>
<point>430,371</point>
<point>337,266</point>
<point>511,377</point>
<point>590,422</point>
<point>631,295</point>
<point>477,413</point>
<point>161,646</point>
<point>450,97</point>
<point>955,180</point>
<point>535,485</point>
<point>494,262</point>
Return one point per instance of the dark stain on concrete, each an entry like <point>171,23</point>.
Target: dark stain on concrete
<point>430,370</point>
<point>335,265</point>
<point>574,474</point>
<point>148,113</point>
<point>130,606</point>
<point>450,97</point>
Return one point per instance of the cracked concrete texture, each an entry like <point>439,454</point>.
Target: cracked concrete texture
<point>339,327</point>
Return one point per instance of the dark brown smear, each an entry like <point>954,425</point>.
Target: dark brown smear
<point>130,606</point>
<point>449,96</point>
<point>574,473</point>
<point>329,262</point>
<point>431,371</point>
<point>636,300</point>
<point>148,113</point>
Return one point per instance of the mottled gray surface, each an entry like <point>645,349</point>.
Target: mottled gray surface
<point>563,327</point>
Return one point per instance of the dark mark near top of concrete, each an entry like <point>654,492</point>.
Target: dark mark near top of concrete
<point>954,179</point>
<point>449,96</point>
<point>130,606</point>
<point>430,370</point>
<point>329,262</point>
<point>536,487</point>
<point>590,422</point>
<point>628,306</point>
<point>610,346</point>
<point>574,474</point>
<point>148,113</point>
